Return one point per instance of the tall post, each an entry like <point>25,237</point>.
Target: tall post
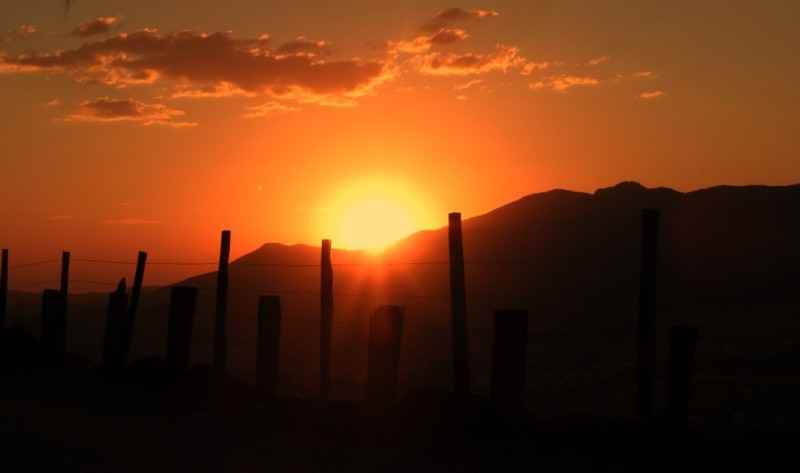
<point>383,355</point>
<point>53,332</point>
<point>647,308</point>
<point>220,338</point>
<point>458,307</point>
<point>64,282</point>
<point>510,362</point>
<point>269,334</point>
<point>326,320</point>
<point>682,343</point>
<point>114,355</point>
<point>179,331</point>
<point>136,291</point>
<point>3,289</point>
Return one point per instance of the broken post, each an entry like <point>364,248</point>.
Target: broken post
<point>114,355</point>
<point>510,361</point>
<point>383,355</point>
<point>326,319</point>
<point>220,337</point>
<point>179,331</point>
<point>458,306</point>
<point>645,387</point>
<point>269,334</point>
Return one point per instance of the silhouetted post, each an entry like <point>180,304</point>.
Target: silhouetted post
<point>179,333</point>
<point>114,354</point>
<point>269,334</point>
<point>647,308</point>
<point>136,291</point>
<point>64,282</point>
<point>326,320</point>
<point>383,355</point>
<point>682,344</point>
<point>510,361</point>
<point>458,307</point>
<point>220,338</point>
<point>3,289</point>
<point>53,334</point>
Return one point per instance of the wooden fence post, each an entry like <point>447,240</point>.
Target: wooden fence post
<point>645,387</point>
<point>114,355</point>
<point>269,334</point>
<point>326,319</point>
<point>682,344</point>
<point>383,355</point>
<point>3,289</point>
<point>179,331</point>
<point>53,332</point>
<point>510,361</point>
<point>136,291</point>
<point>64,282</point>
<point>458,307</point>
<point>220,337</point>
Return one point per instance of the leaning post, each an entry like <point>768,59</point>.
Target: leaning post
<point>647,307</point>
<point>326,319</point>
<point>220,337</point>
<point>458,306</point>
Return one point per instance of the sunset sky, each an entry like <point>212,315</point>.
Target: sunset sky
<point>154,125</point>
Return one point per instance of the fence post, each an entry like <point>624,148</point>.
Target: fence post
<point>269,334</point>
<point>645,386</point>
<point>3,289</point>
<point>682,344</point>
<point>179,331</point>
<point>326,319</point>
<point>510,361</point>
<point>53,331</point>
<point>220,337</point>
<point>136,291</point>
<point>114,354</point>
<point>383,355</point>
<point>458,307</point>
<point>64,282</point>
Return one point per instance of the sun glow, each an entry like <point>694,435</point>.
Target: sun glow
<point>371,213</point>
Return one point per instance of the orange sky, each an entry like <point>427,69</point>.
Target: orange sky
<point>154,125</point>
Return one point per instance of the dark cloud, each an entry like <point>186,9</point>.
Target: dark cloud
<point>303,47</point>
<point>448,36</point>
<point>96,26</point>
<point>503,58</point>
<point>107,109</point>
<point>444,18</point>
<point>204,59</point>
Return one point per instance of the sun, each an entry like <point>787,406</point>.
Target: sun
<point>373,224</point>
<point>371,212</point>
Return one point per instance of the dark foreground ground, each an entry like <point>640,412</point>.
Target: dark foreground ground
<point>81,421</point>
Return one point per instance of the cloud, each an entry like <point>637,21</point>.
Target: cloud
<point>222,89</point>
<point>422,44</point>
<point>651,95</point>
<point>450,15</point>
<point>53,103</point>
<point>303,47</point>
<point>106,109</point>
<point>596,61</point>
<point>467,85</point>
<point>529,67</point>
<point>21,32</point>
<point>129,221</point>
<point>96,26</point>
<point>268,109</point>
<point>146,56</point>
<point>644,74</point>
<point>561,83</point>
<point>448,36</point>
<point>503,58</point>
